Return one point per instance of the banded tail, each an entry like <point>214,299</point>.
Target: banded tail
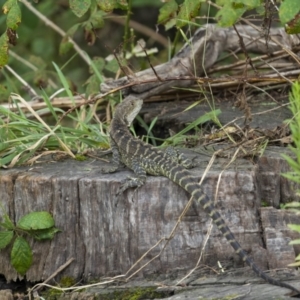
<point>187,181</point>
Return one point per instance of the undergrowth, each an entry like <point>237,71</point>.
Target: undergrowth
<point>294,162</point>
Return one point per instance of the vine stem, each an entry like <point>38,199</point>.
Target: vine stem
<point>127,29</point>
<point>61,32</point>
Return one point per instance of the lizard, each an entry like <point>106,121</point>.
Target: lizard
<point>146,159</point>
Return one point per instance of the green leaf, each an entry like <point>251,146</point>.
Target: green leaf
<point>107,5</point>
<point>122,4</point>
<point>36,220</point>
<point>249,3</point>
<point>7,6</point>
<point>167,12</point>
<point>229,14</point>
<point>293,27</point>
<point>93,84</point>
<point>294,227</point>
<point>112,66</point>
<point>99,64</point>
<point>292,204</point>
<point>3,49</point>
<point>187,11</point>
<point>8,224</point>
<point>79,7</point>
<point>5,238</point>
<point>288,10</point>
<point>65,46</point>
<point>45,234</point>
<point>201,120</point>
<point>296,264</point>
<point>21,255</point>
<point>14,17</point>
<point>295,242</point>
<point>72,30</point>
<point>96,19</point>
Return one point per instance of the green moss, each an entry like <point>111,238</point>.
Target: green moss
<point>80,157</point>
<point>122,294</point>
<point>67,281</point>
<point>53,294</point>
<point>132,294</point>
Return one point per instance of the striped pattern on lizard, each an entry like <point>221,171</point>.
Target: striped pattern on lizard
<point>146,159</point>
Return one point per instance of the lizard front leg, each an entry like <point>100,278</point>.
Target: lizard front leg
<point>134,182</point>
<point>116,159</point>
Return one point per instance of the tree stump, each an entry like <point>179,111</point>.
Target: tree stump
<point>106,235</point>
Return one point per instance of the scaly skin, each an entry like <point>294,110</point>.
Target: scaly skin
<point>145,159</point>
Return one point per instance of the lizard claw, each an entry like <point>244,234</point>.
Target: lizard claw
<point>108,170</point>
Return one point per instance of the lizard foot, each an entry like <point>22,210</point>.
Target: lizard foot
<point>106,170</point>
<point>130,182</point>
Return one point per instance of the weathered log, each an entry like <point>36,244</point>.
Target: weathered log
<point>197,56</point>
<point>106,235</point>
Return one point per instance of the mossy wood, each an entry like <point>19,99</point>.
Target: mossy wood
<point>106,239</point>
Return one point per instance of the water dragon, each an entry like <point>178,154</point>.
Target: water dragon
<point>145,159</point>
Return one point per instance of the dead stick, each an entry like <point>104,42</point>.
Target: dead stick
<point>55,273</point>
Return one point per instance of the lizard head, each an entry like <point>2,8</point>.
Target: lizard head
<point>128,110</point>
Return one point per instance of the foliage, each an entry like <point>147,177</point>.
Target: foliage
<point>73,31</point>
<point>232,10</point>
<point>294,125</point>
<point>22,139</point>
<point>294,162</point>
<point>38,225</point>
<point>84,20</point>
<point>178,137</point>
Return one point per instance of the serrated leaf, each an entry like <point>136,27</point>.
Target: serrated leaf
<point>79,7</point>
<point>36,220</point>
<point>167,11</point>
<point>228,15</point>
<point>14,17</point>
<point>188,10</point>
<point>5,238</point>
<point>8,224</point>
<point>107,5</point>
<point>21,255</point>
<point>3,49</point>
<point>46,234</point>
<point>288,10</point>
